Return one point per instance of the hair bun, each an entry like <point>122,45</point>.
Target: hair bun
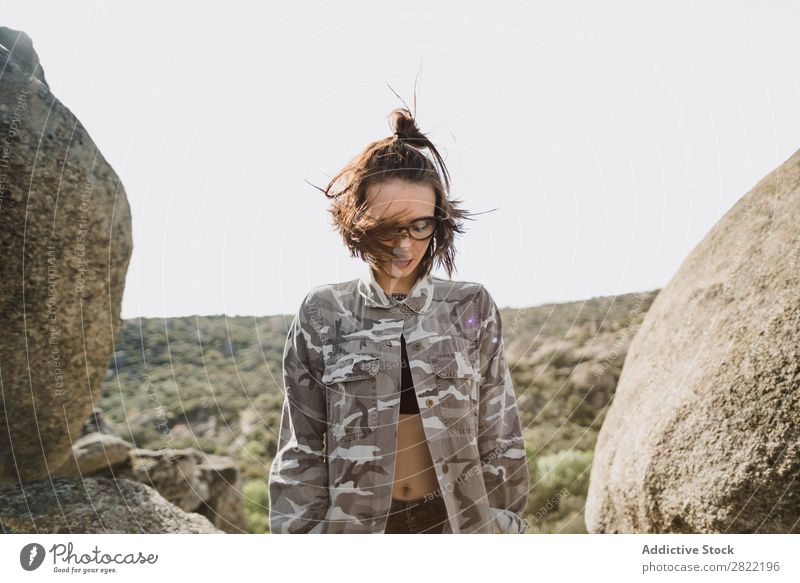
<point>405,127</point>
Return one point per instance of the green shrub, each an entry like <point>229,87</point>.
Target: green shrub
<point>256,522</point>
<point>256,495</point>
<point>555,478</point>
<point>566,469</point>
<point>254,449</point>
<point>256,505</point>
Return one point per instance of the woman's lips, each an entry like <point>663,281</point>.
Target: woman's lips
<point>401,263</point>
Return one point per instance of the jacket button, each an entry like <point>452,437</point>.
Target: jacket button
<point>417,345</point>
<point>429,402</point>
<point>445,468</point>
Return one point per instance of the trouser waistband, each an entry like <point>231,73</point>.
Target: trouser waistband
<point>432,499</point>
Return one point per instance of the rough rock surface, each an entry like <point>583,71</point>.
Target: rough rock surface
<point>224,506</point>
<point>96,505</point>
<point>703,434</point>
<point>192,480</point>
<point>92,453</point>
<point>65,232</point>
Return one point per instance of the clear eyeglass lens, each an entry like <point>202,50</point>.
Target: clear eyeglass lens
<point>422,229</point>
<point>417,230</point>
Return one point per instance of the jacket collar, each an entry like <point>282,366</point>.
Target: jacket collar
<point>418,299</point>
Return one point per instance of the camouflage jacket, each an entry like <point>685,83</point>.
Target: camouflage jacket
<point>334,467</point>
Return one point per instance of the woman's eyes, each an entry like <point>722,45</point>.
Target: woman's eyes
<point>421,227</point>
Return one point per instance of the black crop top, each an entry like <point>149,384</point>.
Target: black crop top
<point>408,397</point>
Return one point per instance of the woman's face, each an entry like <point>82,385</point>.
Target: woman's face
<point>414,200</point>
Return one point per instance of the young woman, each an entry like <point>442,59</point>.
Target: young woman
<point>399,413</point>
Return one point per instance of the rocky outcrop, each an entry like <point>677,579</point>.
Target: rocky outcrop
<point>65,232</point>
<point>93,505</point>
<point>224,506</point>
<point>94,453</point>
<point>21,46</point>
<point>192,480</point>
<point>703,434</point>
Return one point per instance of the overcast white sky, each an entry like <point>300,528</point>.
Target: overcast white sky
<point>611,135</point>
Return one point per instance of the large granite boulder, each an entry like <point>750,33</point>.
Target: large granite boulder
<point>21,45</point>
<point>66,237</point>
<point>93,505</point>
<point>65,232</point>
<point>703,434</point>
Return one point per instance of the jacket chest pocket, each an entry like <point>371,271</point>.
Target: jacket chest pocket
<point>351,383</point>
<point>457,385</point>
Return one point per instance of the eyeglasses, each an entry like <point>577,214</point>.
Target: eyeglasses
<point>419,229</point>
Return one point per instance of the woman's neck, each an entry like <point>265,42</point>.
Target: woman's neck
<point>392,285</point>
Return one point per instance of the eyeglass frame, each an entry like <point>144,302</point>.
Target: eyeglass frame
<point>407,228</point>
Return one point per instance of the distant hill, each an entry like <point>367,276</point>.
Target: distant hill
<point>214,382</point>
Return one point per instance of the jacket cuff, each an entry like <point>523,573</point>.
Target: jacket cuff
<point>508,522</point>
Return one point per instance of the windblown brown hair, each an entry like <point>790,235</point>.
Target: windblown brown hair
<point>399,156</point>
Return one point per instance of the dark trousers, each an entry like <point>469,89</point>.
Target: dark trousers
<point>420,516</point>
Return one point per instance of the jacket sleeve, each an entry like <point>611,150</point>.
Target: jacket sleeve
<point>298,477</point>
<point>500,443</point>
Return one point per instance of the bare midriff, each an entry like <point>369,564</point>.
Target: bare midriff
<point>414,474</point>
